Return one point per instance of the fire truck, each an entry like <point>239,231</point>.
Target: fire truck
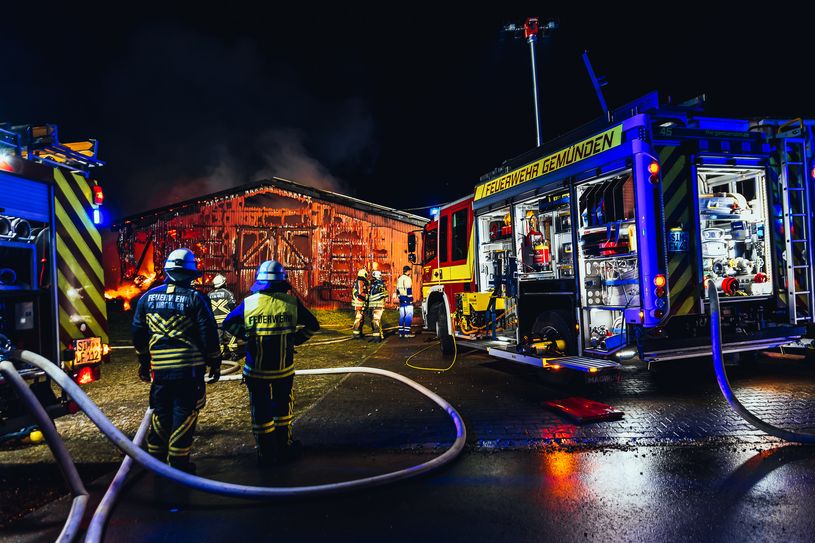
<point>51,275</point>
<point>597,246</point>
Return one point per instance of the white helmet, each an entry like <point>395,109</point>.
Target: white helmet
<point>269,272</point>
<point>377,274</point>
<point>218,281</point>
<point>181,265</point>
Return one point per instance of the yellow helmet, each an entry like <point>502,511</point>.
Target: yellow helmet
<point>362,273</point>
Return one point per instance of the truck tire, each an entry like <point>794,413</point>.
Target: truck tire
<point>555,322</point>
<point>442,325</point>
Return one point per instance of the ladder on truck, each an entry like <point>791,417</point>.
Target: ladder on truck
<point>795,199</point>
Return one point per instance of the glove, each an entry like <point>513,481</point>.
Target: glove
<point>144,373</point>
<point>214,375</point>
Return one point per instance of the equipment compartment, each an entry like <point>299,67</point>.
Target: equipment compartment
<point>734,231</point>
<point>609,269</point>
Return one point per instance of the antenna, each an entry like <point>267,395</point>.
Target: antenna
<point>598,83</point>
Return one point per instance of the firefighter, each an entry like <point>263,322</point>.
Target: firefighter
<point>359,301</point>
<point>404,294</point>
<point>376,301</point>
<point>222,301</point>
<point>175,336</point>
<point>268,319</point>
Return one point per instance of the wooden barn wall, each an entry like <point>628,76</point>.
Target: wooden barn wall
<point>321,244</point>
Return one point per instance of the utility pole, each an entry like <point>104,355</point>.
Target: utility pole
<point>531,30</point>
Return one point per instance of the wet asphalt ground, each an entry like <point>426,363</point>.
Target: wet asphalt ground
<point>679,466</point>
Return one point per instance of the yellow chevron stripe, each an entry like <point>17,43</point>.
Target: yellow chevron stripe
<point>682,282</point>
<point>85,283</point>
<point>81,310</point>
<point>677,200</point>
<point>68,227</point>
<point>189,421</point>
<point>83,184</point>
<point>157,427</point>
<point>686,307</point>
<point>73,331</point>
<point>674,172</point>
<point>77,206</point>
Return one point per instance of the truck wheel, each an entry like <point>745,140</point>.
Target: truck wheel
<point>447,346</point>
<point>553,325</point>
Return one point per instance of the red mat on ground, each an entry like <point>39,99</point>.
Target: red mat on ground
<point>585,410</point>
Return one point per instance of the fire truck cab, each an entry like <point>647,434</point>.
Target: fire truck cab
<point>51,275</point>
<point>598,246</point>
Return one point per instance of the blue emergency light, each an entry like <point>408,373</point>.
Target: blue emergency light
<point>434,211</point>
<point>97,216</point>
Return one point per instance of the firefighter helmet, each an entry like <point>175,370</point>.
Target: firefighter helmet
<point>181,265</point>
<point>269,272</point>
<point>218,281</point>
<point>377,274</point>
<point>362,273</point>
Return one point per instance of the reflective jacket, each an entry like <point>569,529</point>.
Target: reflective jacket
<point>377,295</point>
<point>222,302</point>
<point>359,295</point>
<point>174,331</point>
<point>268,320</point>
<point>404,289</point>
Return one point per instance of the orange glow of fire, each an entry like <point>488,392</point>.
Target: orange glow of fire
<point>129,290</point>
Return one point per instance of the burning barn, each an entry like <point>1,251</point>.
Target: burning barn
<point>321,237</point>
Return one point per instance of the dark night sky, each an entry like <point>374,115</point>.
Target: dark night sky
<point>405,111</point>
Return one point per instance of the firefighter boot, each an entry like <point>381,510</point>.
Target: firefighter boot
<point>287,450</point>
<point>267,450</point>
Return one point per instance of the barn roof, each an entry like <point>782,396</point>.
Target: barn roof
<point>283,184</point>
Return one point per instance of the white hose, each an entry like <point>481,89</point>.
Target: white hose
<point>245,491</point>
<point>80,501</point>
<point>96,528</point>
<point>724,382</point>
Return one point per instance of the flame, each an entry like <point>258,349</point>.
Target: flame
<point>128,291</point>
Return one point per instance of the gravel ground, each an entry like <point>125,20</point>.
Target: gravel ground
<point>224,427</point>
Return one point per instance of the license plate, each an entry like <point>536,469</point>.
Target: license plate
<point>87,350</point>
<point>602,378</point>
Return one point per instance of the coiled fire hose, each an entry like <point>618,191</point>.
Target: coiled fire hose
<point>724,383</point>
<point>121,441</point>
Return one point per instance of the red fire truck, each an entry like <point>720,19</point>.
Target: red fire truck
<point>597,246</point>
<point>51,275</point>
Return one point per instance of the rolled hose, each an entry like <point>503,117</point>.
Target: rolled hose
<point>724,383</point>
<point>121,441</point>
<point>80,501</point>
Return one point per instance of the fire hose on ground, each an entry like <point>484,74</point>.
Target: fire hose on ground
<point>724,383</point>
<point>120,440</point>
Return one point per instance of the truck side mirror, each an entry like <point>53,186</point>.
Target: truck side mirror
<point>412,258</point>
<point>411,243</point>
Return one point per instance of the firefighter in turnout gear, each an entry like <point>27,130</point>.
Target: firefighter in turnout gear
<point>376,301</point>
<point>222,301</point>
<point>175,337</point>
<point>404,293</point>
<point>268,319</point>
<point>359,301</point>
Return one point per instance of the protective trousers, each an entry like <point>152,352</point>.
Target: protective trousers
<point>377,323</point>
<point>359,321</point>
<point>272,405</point>
<point>175,406</point>
<point>405,319</point>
